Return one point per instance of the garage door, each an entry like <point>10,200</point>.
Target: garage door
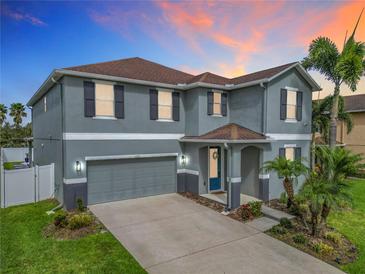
<point>113,180</point>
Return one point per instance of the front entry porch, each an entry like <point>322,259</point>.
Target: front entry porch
<point>221,197</point>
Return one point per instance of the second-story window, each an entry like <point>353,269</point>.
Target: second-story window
<point>104,100</point>
<point>291,104</point>
<point>217,99</point>
<point>164,105</point>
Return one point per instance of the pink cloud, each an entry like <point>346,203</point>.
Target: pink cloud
<point>22,16</point>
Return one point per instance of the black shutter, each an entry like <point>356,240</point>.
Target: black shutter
<point>153,104</point>
<point>210,102</point>
<point>282,152</point>
<point>89,99</point>
<point>176,106</point>
<point>119,101</point>
<point>298,153</point>
<point>299,105</point>
<point>224,104</point>
<point>283,98</point>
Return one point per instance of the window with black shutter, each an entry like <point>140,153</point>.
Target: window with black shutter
<point>89,99</point>
<point>119,101</point>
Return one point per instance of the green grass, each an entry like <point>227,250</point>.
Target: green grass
<point>24,250</point>
<point>10,165</point>
<point>352,225</point>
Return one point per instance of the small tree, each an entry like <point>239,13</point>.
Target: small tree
<point>289,170</point>
<point>17,111</point>
<point>3,112</point>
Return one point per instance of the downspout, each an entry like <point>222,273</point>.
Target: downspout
<point>264,106</point>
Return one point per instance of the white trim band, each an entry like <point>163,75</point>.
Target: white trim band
<point>130,156</point>
<point>264,176</point>
<point>188,171</point>
<point>75,180</point>
<point>234,179</point>
<point>285,136</point>
<point>122,136</point>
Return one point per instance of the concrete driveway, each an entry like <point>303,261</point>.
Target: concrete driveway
<point>172,234</point>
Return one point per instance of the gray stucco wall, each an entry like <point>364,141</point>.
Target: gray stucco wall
<point>246,107</point>
<point>137,112</point>
<point>47,133</point>
<point>274,125</point>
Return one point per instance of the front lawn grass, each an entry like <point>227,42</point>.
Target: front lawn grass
<point>23,249</point>
<point>352,225</point>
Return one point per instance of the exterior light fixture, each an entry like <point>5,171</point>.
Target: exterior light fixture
<point>78,166</point>
<point>183,160</point>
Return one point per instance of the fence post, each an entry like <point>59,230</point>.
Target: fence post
<point>2,178</point>
<point>36,183</point>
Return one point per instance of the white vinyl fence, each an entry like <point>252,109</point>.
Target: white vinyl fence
<point>27,185</point>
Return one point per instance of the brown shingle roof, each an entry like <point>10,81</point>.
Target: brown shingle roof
<point>230,131</point>
<point>141,69</point>
<point>267,73</point>
<point>210,78</point>
<point>137,68</point>
<point>354,102</point>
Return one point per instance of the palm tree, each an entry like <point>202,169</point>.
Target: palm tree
<point>288,169</point>
<point>3,112</point>
<point>17,111</point>
<point>340,68</point>
<point>321,119</point>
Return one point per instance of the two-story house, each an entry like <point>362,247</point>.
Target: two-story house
<point>133,128</point>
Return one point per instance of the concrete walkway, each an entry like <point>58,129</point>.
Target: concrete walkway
<point>172,234</point>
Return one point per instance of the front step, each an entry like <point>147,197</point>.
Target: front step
<point>275,214</point>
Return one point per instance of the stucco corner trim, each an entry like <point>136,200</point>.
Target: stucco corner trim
<point>264,176</point>
<point>188,171</point>
<point>75,180</point>
<point>289,136</point>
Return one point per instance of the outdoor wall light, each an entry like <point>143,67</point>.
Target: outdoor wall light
<point>78,166</point>
<point>183,160</point>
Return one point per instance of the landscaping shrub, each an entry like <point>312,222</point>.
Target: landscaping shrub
<point>80,205</point>
<point>334,237</point>
<point>255,208</point>
<point>9,165</point>
<point>322,248</point>
<point>278,230</point>
<point>60,218</point>
<point>285,222</point>
<point>79,220</point>
<point>246,212</point>
<point>300,239</point>
<point>283,198</point>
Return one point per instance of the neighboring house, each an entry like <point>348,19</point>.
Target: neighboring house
<point>132,128</point>
<point>355,140</point>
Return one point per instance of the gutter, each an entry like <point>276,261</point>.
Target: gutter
<point>248,141</point>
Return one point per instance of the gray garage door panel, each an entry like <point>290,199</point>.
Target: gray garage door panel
<point>114,180</point>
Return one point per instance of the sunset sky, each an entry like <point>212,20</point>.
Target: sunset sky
<point>230,38</point>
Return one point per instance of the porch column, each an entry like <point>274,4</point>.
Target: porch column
<point>234,177</point>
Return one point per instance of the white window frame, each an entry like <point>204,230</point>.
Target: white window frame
<point>291,89</point>
<point>106,117</point>
<point>220,103</point>
<point>158,106</point>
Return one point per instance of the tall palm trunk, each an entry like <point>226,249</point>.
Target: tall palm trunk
<point>334,116</point>
<point>288,186</point>
<point>313,152</point>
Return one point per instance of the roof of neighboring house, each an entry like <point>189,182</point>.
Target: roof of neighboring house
<point>140,71</point>
<point>230,131</point>
<point>355,103</point>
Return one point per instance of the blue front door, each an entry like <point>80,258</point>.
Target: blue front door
<point>215,168</point>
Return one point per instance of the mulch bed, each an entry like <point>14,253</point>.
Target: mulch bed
<point>344,253</point>
<point>235,214</point>
<point>65,233</point>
